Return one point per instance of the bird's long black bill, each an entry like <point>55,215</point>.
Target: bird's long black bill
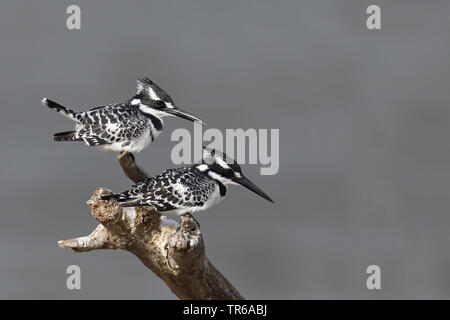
<point>253,187</point>
<point>183,114</point>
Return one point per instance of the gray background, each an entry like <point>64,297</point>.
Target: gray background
<point>364,140</point>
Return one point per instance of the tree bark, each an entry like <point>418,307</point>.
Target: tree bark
<point>174,251</point>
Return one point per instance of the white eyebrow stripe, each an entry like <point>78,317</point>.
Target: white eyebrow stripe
<point>152,94</point>
<point>222,163</point>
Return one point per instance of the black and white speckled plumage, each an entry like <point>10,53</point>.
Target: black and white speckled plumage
<point>187,189</point>
<point>129,126</point>
<point>117,127</point>
<point>180,190</point>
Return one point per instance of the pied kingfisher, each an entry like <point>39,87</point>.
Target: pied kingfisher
<point>128,126</point>
<point>188,190</point>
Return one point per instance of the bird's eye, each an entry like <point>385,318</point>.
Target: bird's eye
<point>229,173</point>
<point>236,167</point>
<point>160,104</point>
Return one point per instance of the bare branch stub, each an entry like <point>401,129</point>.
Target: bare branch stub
<point>174,251</point>
<point>130,168</point>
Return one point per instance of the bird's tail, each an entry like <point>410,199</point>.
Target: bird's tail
<point>110,197</point>
<point>65,136</point>
<point>122,199</point>
<point>72,115</point>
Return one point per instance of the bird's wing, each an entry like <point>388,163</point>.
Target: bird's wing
<point>99,107</point>
<point>109,124</point>
<point>173,189</point>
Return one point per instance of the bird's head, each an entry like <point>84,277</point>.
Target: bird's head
<point>223,168</point>
<point>152,100</point>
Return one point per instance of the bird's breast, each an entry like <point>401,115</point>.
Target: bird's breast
<point>155,122</point>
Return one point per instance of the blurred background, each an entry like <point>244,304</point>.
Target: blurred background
<point>364,141</point>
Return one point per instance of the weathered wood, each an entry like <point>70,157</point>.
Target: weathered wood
<point>174,251</point>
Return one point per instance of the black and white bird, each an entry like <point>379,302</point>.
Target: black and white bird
<point>188,190</point>
<point>128,126</point>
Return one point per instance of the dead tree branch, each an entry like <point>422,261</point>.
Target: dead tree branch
<point>174,251</point>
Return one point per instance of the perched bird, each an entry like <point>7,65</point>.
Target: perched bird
<point>128,126</point>
<point>188,190</point>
